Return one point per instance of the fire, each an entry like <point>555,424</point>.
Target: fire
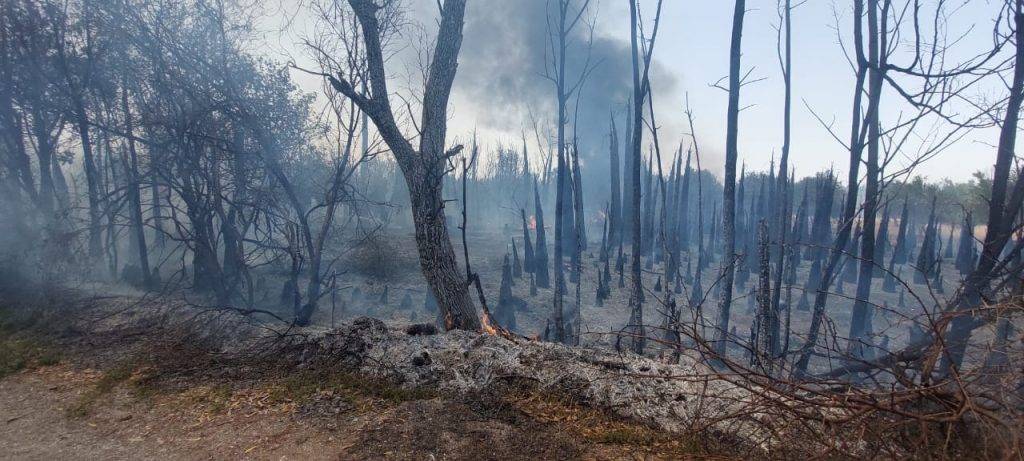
<point>490,327</point>
<point>485,325</point>
<point>533,223</point>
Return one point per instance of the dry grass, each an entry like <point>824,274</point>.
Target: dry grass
<point>23,344</point>
<point>301,387</point>
<point>110,379</point>
<point>597,426</point>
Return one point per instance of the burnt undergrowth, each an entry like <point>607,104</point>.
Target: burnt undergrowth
<point>156,348</point>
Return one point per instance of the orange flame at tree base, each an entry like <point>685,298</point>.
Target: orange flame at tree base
<point>489,326</point>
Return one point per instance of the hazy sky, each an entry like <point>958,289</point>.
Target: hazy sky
<point>499,79</point>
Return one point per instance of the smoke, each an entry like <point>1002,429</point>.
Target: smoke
<point>502,74</point>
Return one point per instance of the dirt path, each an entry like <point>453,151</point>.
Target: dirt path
<point>43,419</point>
<point>37,425</point>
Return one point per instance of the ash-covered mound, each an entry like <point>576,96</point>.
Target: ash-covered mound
<point>682,397</point>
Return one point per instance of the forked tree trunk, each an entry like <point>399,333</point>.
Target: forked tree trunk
<point>422,168</point>
<point>860,325</point>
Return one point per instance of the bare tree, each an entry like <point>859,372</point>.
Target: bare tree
<point>729,182</point>
<point>783,201</point>
<point>424,168</point>
<point>860,325</point>
<point>641,86</point>
<point>559,33</point>
<point>615,210</point>
<point>1004,204</point>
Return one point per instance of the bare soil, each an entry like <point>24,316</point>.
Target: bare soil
<point>205,422</point>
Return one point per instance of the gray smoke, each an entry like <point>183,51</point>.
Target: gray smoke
<point>502,69</point>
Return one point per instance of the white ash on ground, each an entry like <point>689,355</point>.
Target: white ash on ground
<point>684,396</point>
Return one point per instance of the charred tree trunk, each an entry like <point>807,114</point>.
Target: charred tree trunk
<point>881,244</point>
<point>159,238</point>
<point>540,256</point>
<point>45,147</point>
<point>91,183</point>
<point>1003,209</point>
<point>134,196</point>
<point>517,265</point>
<point>640,89</point>
<point>603,254</point>
<point>626,227</point>
<point>729,183</point>
<point>899,250</point>
<point>528,257</point>
<point>784,200</point>
<point>647,224</point>
<point>541,253</point>
<point>577,200</point>
<point>561,186</point>
<point>615,212</point>
<point>799,234</point>
<point>965,249</point>
<point>766,328</point>
<point>860,325</point>
<point>926,256</point>
<point>682,225</point>
<point>636,316</point>
<point>850,204</point>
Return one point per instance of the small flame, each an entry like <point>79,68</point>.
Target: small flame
<point>487,327</point>
<point>533,223</point>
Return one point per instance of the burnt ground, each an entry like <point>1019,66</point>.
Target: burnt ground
<point>393,267</point>
<point>80,389</point>
<point>91,380</point>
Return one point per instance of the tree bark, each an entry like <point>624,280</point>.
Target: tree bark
<point>850,205</point>
<point>424,168</point>
<point>1002,212</point>
<point>729,182</point>
<point>615,212</point>
<point>134,196</point>
<point>783,201</point>
<point>636,317</point>
<point>860,325</point>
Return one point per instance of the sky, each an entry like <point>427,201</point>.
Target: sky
<point>500,79</point>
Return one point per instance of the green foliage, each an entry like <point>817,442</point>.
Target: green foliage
<point>952,198</point>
